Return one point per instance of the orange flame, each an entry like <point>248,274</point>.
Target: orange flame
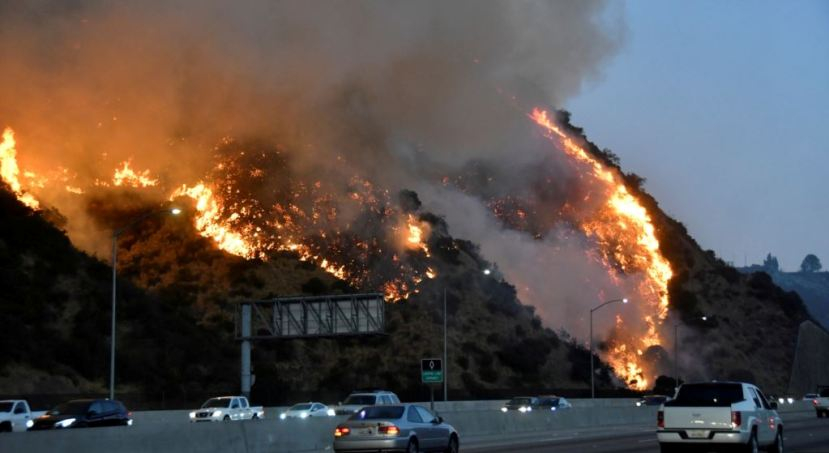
<point>9,171</point>
<point>626,236</point>
<point>126,176</point>
<point>416,232</point>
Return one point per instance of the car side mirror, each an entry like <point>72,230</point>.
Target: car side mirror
<point>773,405</point>
<point>437,420</point>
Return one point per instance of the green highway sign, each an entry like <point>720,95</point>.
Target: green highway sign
<point>431,371</point>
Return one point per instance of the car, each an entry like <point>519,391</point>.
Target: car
<point>553,403</point>
<point>521,404</point>
<point>397,427</point>
<point>84,413</point>
<point>361,398</point>
<point>652,400</point>
<point>227,408</point>
<point>305,410</point>
<point>821,402</point>
<point>719,415</point>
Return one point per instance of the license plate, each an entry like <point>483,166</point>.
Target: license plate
<point>365,431</point>
<point>697,434</point>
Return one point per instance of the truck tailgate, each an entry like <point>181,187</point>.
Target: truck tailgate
<point>679,417</point>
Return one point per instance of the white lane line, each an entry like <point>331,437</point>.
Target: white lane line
<point>646,440</point>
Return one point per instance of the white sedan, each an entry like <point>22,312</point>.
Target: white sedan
<point>305,410</point>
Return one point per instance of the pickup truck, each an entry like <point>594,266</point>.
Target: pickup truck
<point>821,402</point>
<point>226,408</point>
<point>15,415</point>
<point>713,415</point>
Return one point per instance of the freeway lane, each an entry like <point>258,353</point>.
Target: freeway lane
<point>802,435</point>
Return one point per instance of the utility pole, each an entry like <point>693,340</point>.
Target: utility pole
<point>445,362</point>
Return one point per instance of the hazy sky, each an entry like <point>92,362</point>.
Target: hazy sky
<point>724,108</point>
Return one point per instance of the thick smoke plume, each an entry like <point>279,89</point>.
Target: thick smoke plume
<point>404,94</point>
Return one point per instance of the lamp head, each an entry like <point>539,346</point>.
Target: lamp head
<point>625,300</point>
<point>175,211</point>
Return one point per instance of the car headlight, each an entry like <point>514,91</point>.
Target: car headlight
<point>303,415</point>
<point>30,423</point>
<point>192,415</point>
<point>217,413</point>
<point>283,416</point>
<point>129,422</point>
<point>638,404</point>
<point>790,400</point>
<point>65,423</point>
<point>553,408</point>
<point>522,409</point>
<point>504,410</point>
<point>781,400</point>
<point>331,412</point>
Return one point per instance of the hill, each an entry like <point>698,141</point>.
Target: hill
<point>812,287</point>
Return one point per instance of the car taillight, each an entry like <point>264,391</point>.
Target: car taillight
<point>390,430</point>
<point>660,419</point>
<point>814,402</point>
<point>129,414</point>
<point>341,431</point>
<point>736,419</point>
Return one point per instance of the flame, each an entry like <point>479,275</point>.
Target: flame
<point>626,236</point>
<point>9,170</point>
<point>126,176</point>
<point>209,223</point>
<point>416,232</point>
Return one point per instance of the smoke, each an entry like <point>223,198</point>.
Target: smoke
<point>401,93</point>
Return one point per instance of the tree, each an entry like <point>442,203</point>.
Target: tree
<point>771,265</point>
<point>810,264</point>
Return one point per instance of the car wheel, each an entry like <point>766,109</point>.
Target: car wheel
<point>453,444</point>
<point>255,417</point>
<point>668,448</point>
<point>227,418</point>
<point>751,446</point>
<point>777,446</point>
<point>5,427</point>
<point>412,447</point>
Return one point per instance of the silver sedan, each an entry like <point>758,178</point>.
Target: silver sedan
<point>401,427</point>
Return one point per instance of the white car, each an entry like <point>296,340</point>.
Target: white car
<point>15,415</point>
<point>713,414</point>
<point>358,400</point>
<point>305,410</point>
<point>226,408</point>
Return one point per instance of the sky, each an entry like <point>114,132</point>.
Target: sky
<point>724,108</point>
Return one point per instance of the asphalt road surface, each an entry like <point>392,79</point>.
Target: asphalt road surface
<point>801,435</point>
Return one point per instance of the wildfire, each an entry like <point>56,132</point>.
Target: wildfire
<point>9,170</point>
<point>126,176</point>
<point>626,237</point>
<point>416,232</point>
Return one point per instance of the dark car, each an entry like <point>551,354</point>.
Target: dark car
<point>652,400</point>
<point>553,403</point>
<point>84,414</point>
<point>521,404</point>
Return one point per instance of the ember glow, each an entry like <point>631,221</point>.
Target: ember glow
<point>626,238</point>
<point>10,172</point>
<point>126,176</point>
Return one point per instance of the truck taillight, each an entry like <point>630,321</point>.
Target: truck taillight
<point>391,430</point>
<point>660,419</point>
<point>736,419</point>
<point>341,431</point>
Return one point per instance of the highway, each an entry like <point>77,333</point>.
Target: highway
<point>803,434</point>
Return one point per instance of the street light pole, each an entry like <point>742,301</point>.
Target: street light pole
<point>676,355</point>
<point>115,234</point>
<point>445,359</point>
<point>592,372</point>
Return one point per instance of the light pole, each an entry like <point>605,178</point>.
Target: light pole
<point>592,373</point>
<point>115,234</point>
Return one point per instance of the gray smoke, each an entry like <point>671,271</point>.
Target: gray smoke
<point>399,92</point>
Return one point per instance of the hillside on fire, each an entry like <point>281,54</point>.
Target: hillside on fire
<point>180,277</point>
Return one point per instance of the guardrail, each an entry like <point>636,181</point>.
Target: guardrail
<point>170,431</point>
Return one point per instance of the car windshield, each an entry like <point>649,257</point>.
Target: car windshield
<point>708,395</point>
<point>216,402</point>
<point>300,407</point>
<point>520,402</point>
<point>360,400</point>
<point>6,407</point>
<point>70,408</point>
<point>379,413</point>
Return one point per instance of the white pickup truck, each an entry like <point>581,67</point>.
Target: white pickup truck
<point>226,408</point>
<point>711,415</point>
<point>15,415</point>
<point>821,402</point>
